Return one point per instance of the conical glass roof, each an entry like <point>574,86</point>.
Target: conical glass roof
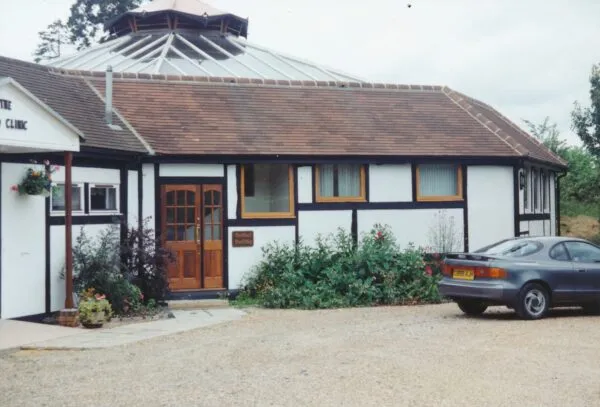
<point>188,37</point>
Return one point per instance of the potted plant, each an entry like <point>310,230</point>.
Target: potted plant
<point>94,309</point>
<point>37,181</point>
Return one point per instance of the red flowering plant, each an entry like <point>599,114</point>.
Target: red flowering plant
<point>37,180</point>
<point>94,308</point>
<point>433,261</point>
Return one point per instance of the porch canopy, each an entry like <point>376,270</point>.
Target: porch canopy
<point>28,125</point>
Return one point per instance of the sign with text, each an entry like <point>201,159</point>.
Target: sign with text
<point>243,239</point>
<point>10,123</point>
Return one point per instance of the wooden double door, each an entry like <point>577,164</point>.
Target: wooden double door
<point>192,228</point>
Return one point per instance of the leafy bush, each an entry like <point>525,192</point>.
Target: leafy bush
<point>145,262</point>
<point>338,273</point>
<point>127,273</point>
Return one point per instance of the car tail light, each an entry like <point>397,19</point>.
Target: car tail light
<point>447,270</point>
<point>490,272</point>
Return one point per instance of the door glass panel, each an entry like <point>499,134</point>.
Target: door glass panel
<point>170,215</point>
<point>189,232</point>
<point>207,231</point>
<point>559,252</point>
<point>170,198</point>
<point>170,233</point>
<point>216,198</point>
<point>216,232</point>
<point>191,198</point>
<point>191,214</point>
<point>208,198</point>
<point>180,232</point>
<point>217,215</point>
<point>180,215</point>
<point>180,198</point>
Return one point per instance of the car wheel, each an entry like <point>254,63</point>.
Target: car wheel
<point>472,307</point>
<point>533,301</point>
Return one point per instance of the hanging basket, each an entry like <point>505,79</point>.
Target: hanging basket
<point>37,182</point>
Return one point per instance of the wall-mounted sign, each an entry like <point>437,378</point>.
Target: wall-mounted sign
<point>10,123</point>
<point>243,239</point>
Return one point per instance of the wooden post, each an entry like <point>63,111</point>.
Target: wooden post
<point>69,229</point>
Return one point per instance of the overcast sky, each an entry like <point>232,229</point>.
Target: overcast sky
<point>529,59</point>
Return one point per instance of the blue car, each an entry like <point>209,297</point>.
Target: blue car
<point>527,274</point>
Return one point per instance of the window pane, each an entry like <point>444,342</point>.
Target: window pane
<point>326,180</point>
<point>583,252</point>
<point>558,252</point>
<point>339,180</point>
<point>58,198</point>
<point>536,191</point>
<point>171,198</point>
<point>271,189</point>
<point>103,198</point>
<point>438,180</point>
<point>526,189</point>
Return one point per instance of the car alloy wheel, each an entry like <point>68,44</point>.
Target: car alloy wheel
<point>534,302</point>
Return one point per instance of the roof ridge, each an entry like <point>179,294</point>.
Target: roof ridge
<point>464,105</point>
<point>514,126</point>
<point>242,80</point>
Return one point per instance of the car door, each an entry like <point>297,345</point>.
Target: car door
<point>561,276</point>
<point>586,262</point>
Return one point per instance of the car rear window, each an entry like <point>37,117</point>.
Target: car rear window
<point>513,248</point>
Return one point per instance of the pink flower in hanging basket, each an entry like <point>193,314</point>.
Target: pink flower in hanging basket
<point>14,188</point>
<point>56,167</point>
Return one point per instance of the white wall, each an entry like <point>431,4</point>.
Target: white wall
<point>552,205</point>
<point>305,186</point>
<point>390,183</point>
<point>132,198</point>
<point>242,259</point>
<point>191,170</point>
<point>232,196</point>
<point>92,175</point>
<point>536,228</point>
<point>23,235</point>
<point>148,196</point>
<point>57,259</point>
<point>311,224</point>
<point>409,225</point>
<point>490,197</point>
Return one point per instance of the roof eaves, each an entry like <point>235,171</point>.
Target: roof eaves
<point>461,102</point>
<point>517,128</point>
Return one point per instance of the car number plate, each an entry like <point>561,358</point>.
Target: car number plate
<point>463,274</point>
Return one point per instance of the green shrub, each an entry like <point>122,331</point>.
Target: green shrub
<point>338,273</point>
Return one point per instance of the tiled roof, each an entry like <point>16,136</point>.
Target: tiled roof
<point>199,115</point>
<point>75,101</point>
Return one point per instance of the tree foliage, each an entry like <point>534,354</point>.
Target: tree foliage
<point>84,27</point>
<point>51,41</point>
<point>548,134</point>
<point>586,121</point>
<point>86,22</point>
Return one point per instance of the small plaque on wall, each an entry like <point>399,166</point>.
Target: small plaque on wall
<point>243,239</point>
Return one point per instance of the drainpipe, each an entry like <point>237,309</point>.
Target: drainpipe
<point>557,203</point>
<point>108,98</point>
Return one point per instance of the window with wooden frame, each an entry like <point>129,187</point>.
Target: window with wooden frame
<point>545,189</point>
<point>340,183</point>
<point>267,191</point>
<point>439,182</point>
<point>526,189</point>
<point>104,198</point>
<point>57,199</point>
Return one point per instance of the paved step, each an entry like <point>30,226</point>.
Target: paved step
<point>197,304</point>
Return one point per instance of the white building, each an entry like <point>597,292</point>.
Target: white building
<point>227,146</point>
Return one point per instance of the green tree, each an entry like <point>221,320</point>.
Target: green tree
<point>84,27</point>
<point>548,134</point>
<point>51,41</point>
<point>586,121</point>
<point>86,22</point>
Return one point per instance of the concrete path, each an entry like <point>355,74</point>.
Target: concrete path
<point>14,334</point>
<point>185,320</point>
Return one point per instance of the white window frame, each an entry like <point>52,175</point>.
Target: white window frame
<point>81,211</point>
<point>117,198</point>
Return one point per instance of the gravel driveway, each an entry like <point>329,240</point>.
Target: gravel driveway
<point>390,356</point>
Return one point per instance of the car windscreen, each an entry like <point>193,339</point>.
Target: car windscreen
<point>512,248</point>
